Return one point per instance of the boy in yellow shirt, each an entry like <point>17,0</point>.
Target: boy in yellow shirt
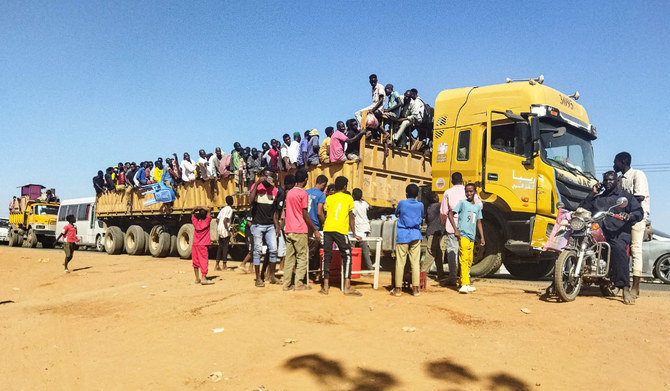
<point>339,221</point>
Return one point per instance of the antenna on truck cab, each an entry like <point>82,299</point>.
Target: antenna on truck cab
<point>574,96</point>
<point>532,82</point>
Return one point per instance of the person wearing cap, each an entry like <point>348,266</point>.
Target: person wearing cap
<point>304,144</point>
<point>378,96</point>
<point>313,148</point>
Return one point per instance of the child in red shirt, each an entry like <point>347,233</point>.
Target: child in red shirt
<point>201,239</point>
<point>70,234</point>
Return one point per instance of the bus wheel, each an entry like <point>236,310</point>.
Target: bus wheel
<point>114,240</point>
<point>99,243</point>
<point>184,240</point>
<point>159,242</point>
<point>32,238</point>
<point>135,240</point>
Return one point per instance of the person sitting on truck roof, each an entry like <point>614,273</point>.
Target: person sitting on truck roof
<point>413,119</point>
<point>50,197</point>
<point>109,181</point>
<point>187,168</point>
<point>378,96</point>
<point>337,141</point>
<point>290,150</point>
<point>324,150</point>
<point>353,150</point>
<point>313,148</point>
<point>98,183</point>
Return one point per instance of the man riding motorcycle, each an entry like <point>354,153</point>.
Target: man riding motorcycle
<point>617,228</point>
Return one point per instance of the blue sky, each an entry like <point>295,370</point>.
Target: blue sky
<point>84,85</point>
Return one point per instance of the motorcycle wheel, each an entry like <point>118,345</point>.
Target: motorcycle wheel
<point>567,284</point>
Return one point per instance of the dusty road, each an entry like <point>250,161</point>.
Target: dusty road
<point>131,323</point>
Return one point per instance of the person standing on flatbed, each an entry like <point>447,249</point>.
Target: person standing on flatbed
<point>70,234</point>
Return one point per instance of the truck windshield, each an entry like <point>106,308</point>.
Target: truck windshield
<point>46,210</point>
<point>569,150</point>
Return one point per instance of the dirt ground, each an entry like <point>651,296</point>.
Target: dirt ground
<point>140,323</point>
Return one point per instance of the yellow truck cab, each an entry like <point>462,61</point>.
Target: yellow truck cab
<point>527,148</point>
<point>32,220</point>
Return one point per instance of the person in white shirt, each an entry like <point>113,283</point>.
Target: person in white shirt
<point>214,162</point>
<point>290,150</point>
<point>224,219</point>
<point>378,97</point>
<point>416,109</point>
<point>635,182</point>
<point>187,168</point>
<point>203,164</point>
<point>362,224</point>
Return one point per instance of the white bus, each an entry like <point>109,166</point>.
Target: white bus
<point>90,231</point>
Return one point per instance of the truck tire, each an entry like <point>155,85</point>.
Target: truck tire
<point>173,246</point>
<point>114,239</point>
<point>530,270</point>
<point>15,239</point>
<point>487,260</point>
<point>159,242</point>
<point>48,242</point>
<point>135,240</point>
<point>184,240</point>
<point>31,239</point>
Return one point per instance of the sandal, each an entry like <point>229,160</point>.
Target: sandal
<point>396,292</point>
<point>353,293</point>
<point>260,283</point>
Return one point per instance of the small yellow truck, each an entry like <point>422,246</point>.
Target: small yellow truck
<point>32,219</point>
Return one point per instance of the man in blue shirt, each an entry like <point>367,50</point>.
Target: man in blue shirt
<point>304,146</point>
<point>408,239</point>
<point>317,198</point>
<point>313,148</point>
<point>141,174</point>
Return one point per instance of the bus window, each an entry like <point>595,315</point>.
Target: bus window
<point>463,151</point>
<point>62,212</point>
<point>71,210</point>
<point>83,212</point>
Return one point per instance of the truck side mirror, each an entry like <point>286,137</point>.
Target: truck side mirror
<point>523,129</point>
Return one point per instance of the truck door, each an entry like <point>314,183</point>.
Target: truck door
<point>467,154</point>
<point>505,174</point>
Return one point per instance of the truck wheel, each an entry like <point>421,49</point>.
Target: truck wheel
<point>530,270</point>
<point>184,240</point>
<point>487,260</point>
<point>173,246</point>
<point>135,240</point>
<point>114,240</point>
<point>48,242</point>
<point>31,240</point>
<point>238,252</point>
<point>13,239</point>
<point>159,242</point>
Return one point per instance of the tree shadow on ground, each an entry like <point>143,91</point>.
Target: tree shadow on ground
<point>448,371</point>
<point>6,302</point>
<point>81,268</point>
<point>331,374</point>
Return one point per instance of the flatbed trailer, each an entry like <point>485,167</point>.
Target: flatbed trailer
<point>164,229</point>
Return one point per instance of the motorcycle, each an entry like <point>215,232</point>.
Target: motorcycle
<point>586,258</point>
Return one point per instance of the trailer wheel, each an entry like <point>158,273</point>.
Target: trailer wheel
<point>184,240</point>
<point>173,246</point>
<point>114,239</point>
<point>487,260</point>
<point>31,240</point>
<point>159,242</point>
<point>135,240</point>
<point>99,243</point>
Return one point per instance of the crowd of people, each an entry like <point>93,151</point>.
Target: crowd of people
<point>394,123</point>
<point>300,228</point>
